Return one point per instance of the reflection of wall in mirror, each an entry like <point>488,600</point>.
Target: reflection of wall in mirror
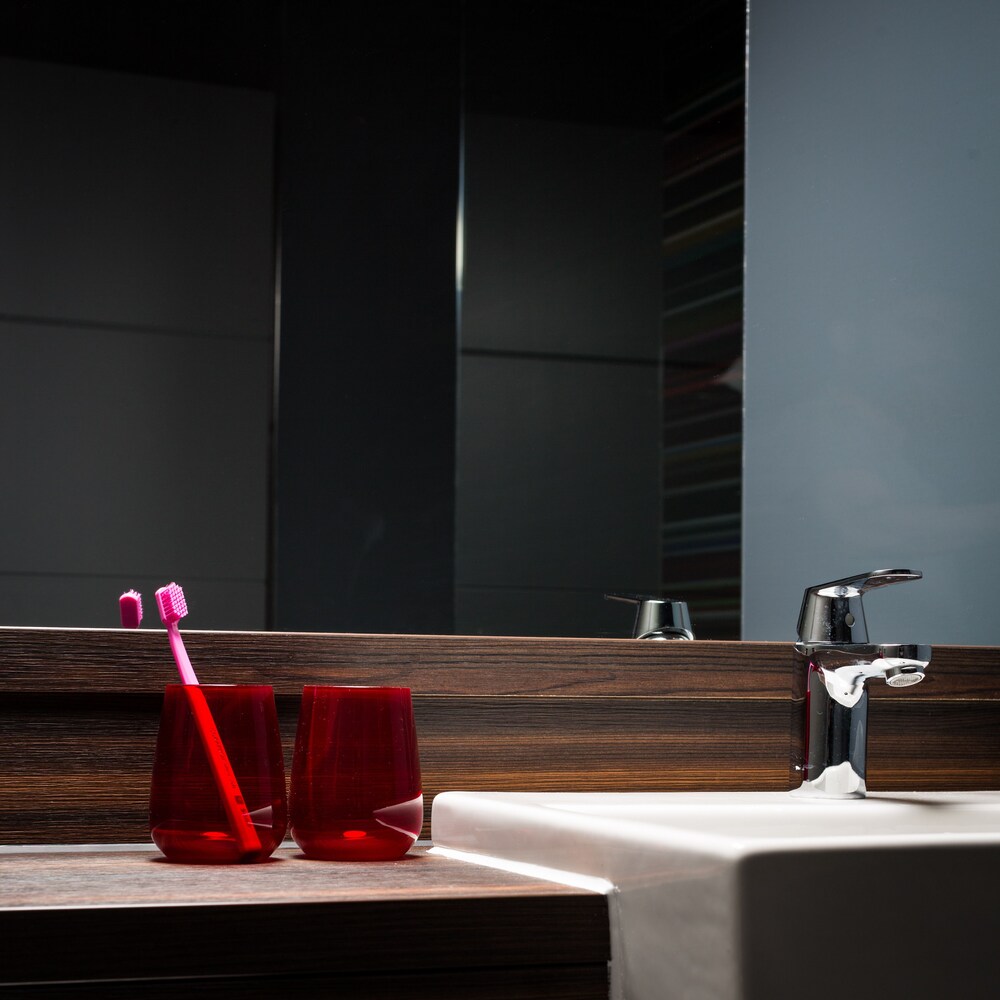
<point>117,262</point>
<point>558,484</point>
<point>528,510</point>
<point>136,312</point>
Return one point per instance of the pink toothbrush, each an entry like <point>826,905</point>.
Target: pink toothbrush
<point>172,607</point>
<point>130,608</point>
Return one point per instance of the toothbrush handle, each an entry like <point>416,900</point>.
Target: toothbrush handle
<point>184,667</point>
<point>222,771</point>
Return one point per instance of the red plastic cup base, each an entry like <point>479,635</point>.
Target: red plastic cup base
<point>199,846</point>
<point>354,844</point>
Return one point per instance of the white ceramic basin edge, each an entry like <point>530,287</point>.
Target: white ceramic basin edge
<point>745,895</point>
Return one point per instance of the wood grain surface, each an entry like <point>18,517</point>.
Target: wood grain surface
<point>556,982</point>
<point>128,914</point>
<point>79,713</point>
<point>53,877</point>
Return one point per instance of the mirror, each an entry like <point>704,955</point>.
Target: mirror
<point>410,480</point>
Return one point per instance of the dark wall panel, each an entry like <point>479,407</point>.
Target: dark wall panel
<point>368,165</point>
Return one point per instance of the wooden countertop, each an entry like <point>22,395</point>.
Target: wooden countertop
<point>121,912</point>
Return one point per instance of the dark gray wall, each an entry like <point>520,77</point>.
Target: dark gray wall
<point>136,311</point>
<point>362,512</point>
<point>871,301</point>
<point>558,471</point>
<point>369,158</point>
<point>554,495</point>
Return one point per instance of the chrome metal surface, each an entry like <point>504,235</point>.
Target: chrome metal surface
<point>834,663</point>
<point>657,618</point>
<point>833,612</point>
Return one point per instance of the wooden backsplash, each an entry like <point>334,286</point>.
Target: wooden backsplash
<point>79,712</point>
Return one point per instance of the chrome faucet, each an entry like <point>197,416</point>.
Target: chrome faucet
<point>833,663</point>
<point>657,618</point>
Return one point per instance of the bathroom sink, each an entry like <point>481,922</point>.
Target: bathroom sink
<point>764,896</point>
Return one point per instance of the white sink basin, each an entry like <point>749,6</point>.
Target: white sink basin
<point>765,896</point>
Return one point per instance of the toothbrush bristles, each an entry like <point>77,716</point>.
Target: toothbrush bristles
<point>130,608</point>
<point>171,604</point>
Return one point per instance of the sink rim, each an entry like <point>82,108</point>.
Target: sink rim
<point>771,821</point>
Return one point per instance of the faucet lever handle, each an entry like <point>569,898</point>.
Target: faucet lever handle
<point>879,578</point>
<point>657,618</point>
<point>833,612</point>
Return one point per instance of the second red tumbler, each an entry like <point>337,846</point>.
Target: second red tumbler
<point>355,790</point>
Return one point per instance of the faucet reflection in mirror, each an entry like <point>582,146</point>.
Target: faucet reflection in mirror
<point>833,663</point>
<point>657,618</point>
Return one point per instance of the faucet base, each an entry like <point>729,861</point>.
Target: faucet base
<point>839,781</point>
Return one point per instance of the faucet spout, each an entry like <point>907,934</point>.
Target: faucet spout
<point>898,666</point>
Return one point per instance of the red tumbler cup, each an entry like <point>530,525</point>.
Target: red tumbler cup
<point>355,789</point>
<point>218,790</point>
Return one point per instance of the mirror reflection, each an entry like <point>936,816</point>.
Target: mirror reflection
<point>349,322</point>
